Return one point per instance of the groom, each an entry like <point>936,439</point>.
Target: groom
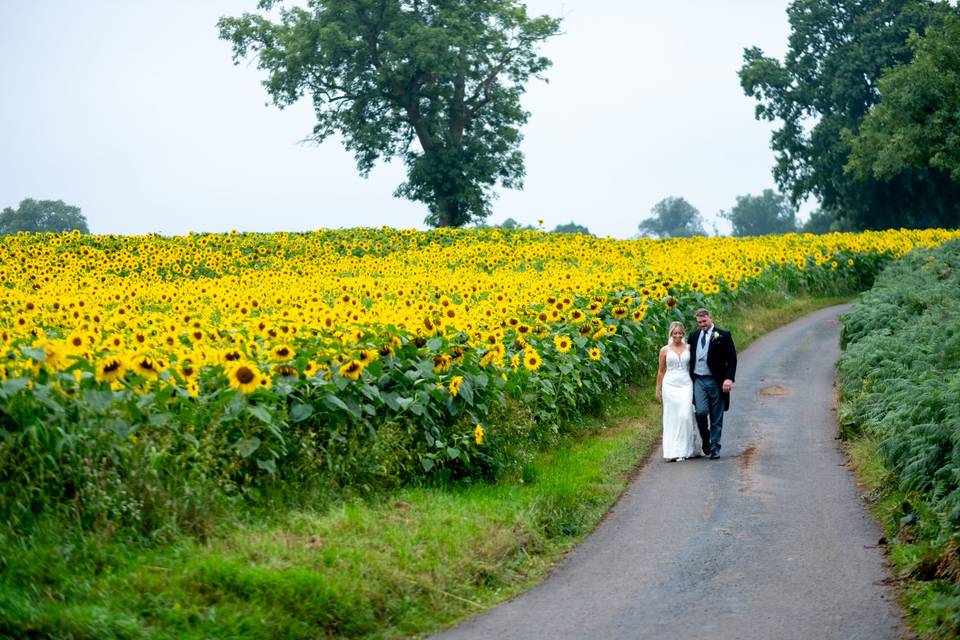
<point>713,367</point>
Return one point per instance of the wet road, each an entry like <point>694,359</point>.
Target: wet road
<point>771,541</point>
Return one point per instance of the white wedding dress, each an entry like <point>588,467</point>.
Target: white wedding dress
<point>680,436</point>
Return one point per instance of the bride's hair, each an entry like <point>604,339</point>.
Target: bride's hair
<point>675,325</point>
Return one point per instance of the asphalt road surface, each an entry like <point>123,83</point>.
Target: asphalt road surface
<point>771,541</point>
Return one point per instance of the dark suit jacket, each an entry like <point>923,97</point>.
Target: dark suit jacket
<point>721,358</point>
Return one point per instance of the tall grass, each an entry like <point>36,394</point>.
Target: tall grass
<point>900,393</point>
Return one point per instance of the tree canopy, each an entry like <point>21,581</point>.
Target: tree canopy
<point>827,83</point>
<point>510,223</point>
<point>572,227</point>
<point>916,124</point>
<point>673,217</point>
<point>36,216</point>
<point>762,215</point>
<point>819,222</point>
<point>387,73</point>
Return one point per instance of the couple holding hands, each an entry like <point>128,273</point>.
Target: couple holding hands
<point>694,382</point>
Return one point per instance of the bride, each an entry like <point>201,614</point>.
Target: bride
<point>675,389</point>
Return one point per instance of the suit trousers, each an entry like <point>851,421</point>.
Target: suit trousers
<point>708,407</point>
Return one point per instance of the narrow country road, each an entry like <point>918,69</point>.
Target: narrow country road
<point>771,541</point>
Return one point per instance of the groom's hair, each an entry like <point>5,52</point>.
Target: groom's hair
<point>701,312</point>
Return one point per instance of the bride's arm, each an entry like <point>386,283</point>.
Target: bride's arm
<point>660,372</point>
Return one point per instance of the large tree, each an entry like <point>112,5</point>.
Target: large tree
<point>761,215</point>
<point>446,74</point>
<point>673,217</point>
<point>838,49</point>
<point>916,124</point>
<point>36,216</point>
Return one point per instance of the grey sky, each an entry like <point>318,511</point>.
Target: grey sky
<point>133,111</point>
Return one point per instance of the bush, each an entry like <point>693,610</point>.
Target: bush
<point>900,385</point>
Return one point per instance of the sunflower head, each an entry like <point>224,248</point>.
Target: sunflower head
<point>282,352</point>
<point>531,360</point>
<point>110,368</point>
<point>145,365</point>
<point>244,376</point>
<point>352,369</point>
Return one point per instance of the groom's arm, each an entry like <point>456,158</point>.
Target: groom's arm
<point>731,360</point>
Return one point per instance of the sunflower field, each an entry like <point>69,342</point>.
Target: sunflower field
<point>143,377</point>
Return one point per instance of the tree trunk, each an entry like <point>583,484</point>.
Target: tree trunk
<point>446,212</point>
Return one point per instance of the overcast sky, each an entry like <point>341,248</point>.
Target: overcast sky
<point>134,111</point>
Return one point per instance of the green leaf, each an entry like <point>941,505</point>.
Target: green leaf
<point>427,463</point>
<point>37,354</point>
<point>426,369</point>
<point>392,401</point>
<point>453,452</point>
<point>300,412</point>
<point>334,402</point>
<point>14,386</point>
<point>371,392</point>
<point>247,446</point>
<point>267,465</point>
<point>434,344</point>
<point>466,392</point>
<point>260,413</point>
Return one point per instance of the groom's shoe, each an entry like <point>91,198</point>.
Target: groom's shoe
<point>714,455</point>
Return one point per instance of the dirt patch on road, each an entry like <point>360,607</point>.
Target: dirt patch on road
<point>776,390</point>
<point>746,458</point>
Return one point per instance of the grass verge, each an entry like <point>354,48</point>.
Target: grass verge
<point>403,564</point>
<point>929,602</point>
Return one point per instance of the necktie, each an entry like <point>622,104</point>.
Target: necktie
<point>703,339</point>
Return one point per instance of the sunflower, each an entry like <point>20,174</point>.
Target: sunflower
<point>441,363</point>
<point>352,369</point>
<point>366,356</point>
<point>244,376</point>
<point>311,368</point>
<point>492,357</point>
<point>77,342</point>
<point>228,356</point>
<point>144,365</point>
<point>282,352</point>
<point>110,368</point>
<point>455,383</point>
<point>55,354</point>
<point>619,311</point>
<point>562,343</point>
<point>478,434</point>
<point>286,371</point>
<point>531,360</point>
<point>187,369</point>
<point>595,353</point>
